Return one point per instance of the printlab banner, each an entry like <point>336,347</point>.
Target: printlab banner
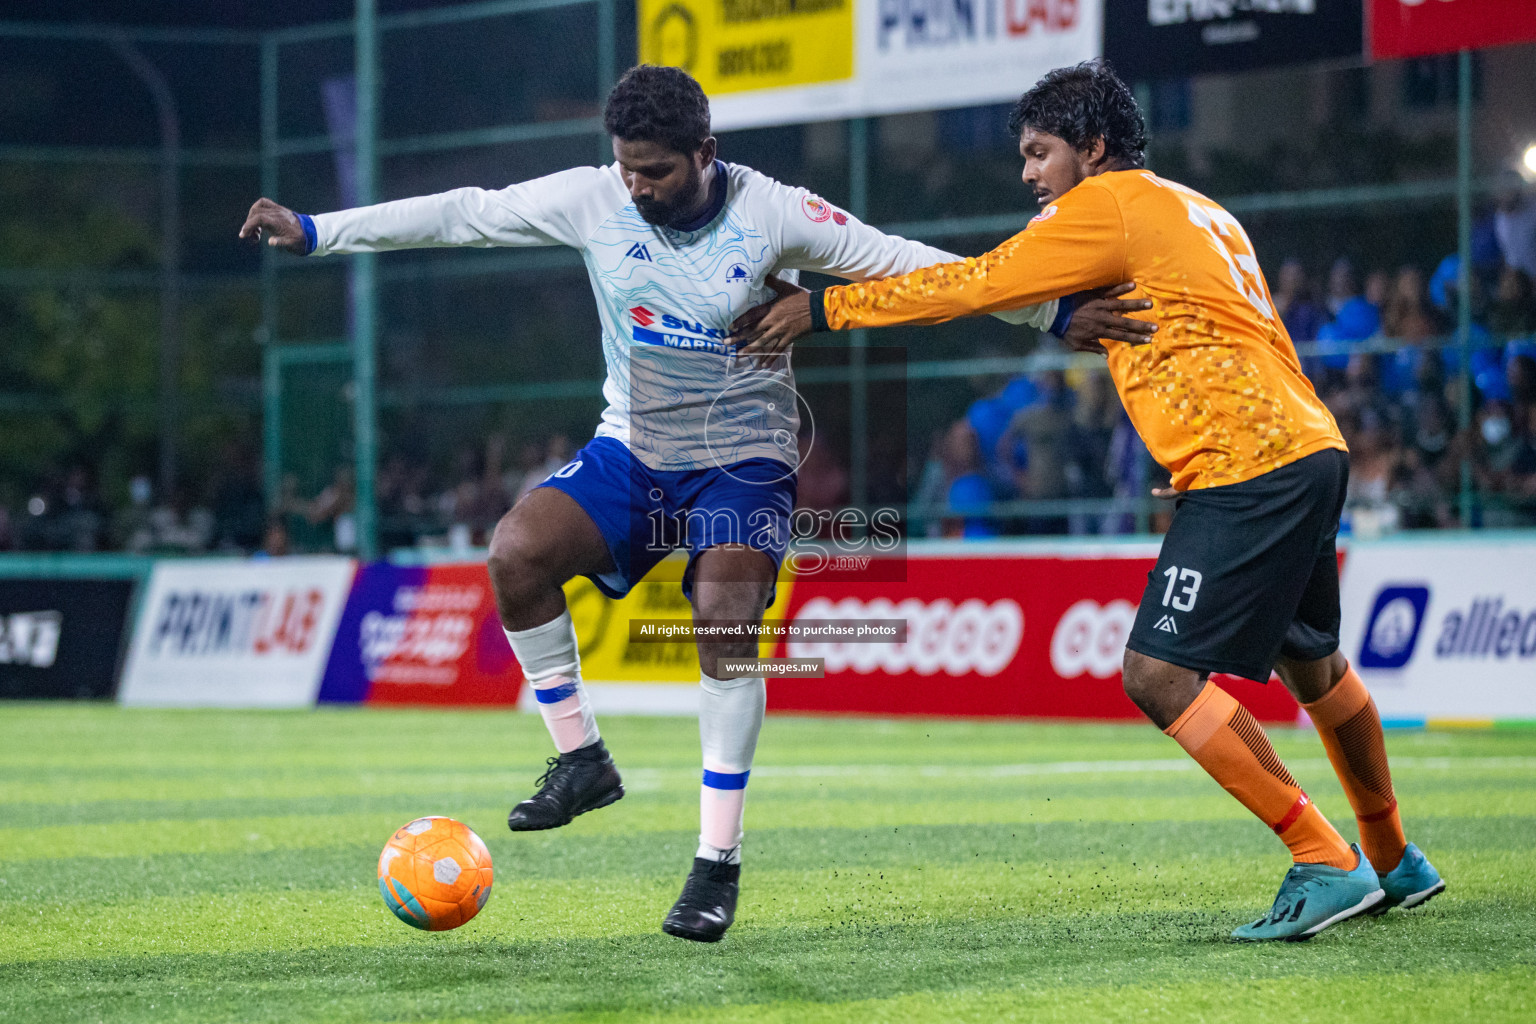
<point>1415,28</point>
<point>768,62</point>
<point>989,633</point>
<point>228,633</point>
<point>1173,38</point>
<point>1444,628</point>
<point>422,635</point>
<point>61,638</point>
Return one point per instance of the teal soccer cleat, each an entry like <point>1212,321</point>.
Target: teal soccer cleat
<point>1314,896</point>
<point>1412,882</point>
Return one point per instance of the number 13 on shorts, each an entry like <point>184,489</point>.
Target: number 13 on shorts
<point>1183,588</point>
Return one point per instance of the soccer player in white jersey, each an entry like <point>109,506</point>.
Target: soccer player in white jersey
<point>696,448</point>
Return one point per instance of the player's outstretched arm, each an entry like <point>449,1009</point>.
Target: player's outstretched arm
<point>814,235</point>
<point>1076,244</point>
<point>276,225</point>
<point>1091,319</point>
<point>558,209</point>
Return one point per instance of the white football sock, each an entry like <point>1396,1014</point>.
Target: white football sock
<point>548,656</point>
<point>730,717</point>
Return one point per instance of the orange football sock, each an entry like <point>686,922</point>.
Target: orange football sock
<point>1347,721</point>
<point>1226,740</point>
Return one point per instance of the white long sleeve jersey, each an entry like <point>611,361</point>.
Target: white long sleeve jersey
<point>677,395</point>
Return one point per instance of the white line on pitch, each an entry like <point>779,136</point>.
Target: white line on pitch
<point>1071,768</point>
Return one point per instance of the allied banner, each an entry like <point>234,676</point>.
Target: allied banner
<point>991,632</point>
<point>1174,38</point>
<point>768,62</point>
<point>1444,629</point>
<point>234,633</point>
<point>1415,28</point>
<point>421,635</point>
<point>61,638</point>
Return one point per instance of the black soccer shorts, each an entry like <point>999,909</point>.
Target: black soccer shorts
<point>1249,572</point>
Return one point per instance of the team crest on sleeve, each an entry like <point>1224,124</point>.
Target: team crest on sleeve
<point>816,209</point>
<point>1045,214</point>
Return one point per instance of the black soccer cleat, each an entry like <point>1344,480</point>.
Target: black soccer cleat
<point>576,782</point>
<point>708,903</point>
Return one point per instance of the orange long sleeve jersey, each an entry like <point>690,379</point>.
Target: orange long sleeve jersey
<point>1218,394</point>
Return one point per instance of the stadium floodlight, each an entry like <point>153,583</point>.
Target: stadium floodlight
<point>1528,161</point>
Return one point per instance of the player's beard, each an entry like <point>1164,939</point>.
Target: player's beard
<point>662,214</point>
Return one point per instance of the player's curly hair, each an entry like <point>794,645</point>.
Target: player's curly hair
<point>651,103</point>
<point>1083,103</point>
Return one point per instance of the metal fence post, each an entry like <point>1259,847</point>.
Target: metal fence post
<point>1464,265</point>
<point>364,289</point>
<point>607,49</point>
<point>858,341</point>
<point>271,379</point>
<point>170,255</point>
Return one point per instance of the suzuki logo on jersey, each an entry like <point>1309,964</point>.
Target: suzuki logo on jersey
<point>675,332</point>
<point>1392,631</point>
<point>640,252</point>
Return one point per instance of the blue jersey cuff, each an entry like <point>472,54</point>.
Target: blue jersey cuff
<point>819,311</point>
<point>311,240</point>
<point>1064,309</point>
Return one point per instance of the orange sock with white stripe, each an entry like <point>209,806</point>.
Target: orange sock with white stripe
<point>1227,741</point>
<point>1347,720</point>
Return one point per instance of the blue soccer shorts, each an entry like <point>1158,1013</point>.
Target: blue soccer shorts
<point>645,514</point>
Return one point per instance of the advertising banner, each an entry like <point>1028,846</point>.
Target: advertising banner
<point>1415,28</point>
<point>622,676</point>
<point>61,638</point>
<point>991,632</point>
<point>735,46</point>
<point>228,633</point>
<point>768,62</point>
<point>1174,38</point>
<point>421,635</point>
<point>1444,629</point>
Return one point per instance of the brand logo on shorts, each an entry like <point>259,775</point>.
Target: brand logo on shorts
<point>1392,631</point>
<point>1167,625</point>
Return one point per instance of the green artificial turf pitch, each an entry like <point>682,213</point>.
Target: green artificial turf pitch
<point>212,866</point>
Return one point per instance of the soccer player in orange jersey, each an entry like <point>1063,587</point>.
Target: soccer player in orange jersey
<point>1248,575</point>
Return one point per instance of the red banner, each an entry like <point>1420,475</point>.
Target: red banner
<point>1000,635</point>
<point>1414,28</point>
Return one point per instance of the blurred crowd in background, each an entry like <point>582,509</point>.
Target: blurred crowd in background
<point>1058,437</point>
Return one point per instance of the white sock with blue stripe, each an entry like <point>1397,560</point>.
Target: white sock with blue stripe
<point>730,717</point>
<point>552,667</point>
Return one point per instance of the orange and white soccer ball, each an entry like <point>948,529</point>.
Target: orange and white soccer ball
<point>435,873</point>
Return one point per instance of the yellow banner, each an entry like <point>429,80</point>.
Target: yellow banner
<point>743,45</point>
<point>602,627</point>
